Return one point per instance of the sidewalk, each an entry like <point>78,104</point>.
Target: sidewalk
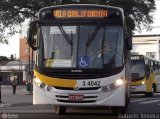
<point>9,87</point>
<point>21,102</point>
<point>21,96</point>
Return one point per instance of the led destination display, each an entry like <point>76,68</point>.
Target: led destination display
<point>80,13</point>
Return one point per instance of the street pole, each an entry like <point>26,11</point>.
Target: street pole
<point>29,59</point>
<point>32,60</point>
<point>19,73</point>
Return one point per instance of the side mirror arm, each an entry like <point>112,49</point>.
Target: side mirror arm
<point>129,43</point>
<point>32,31</point>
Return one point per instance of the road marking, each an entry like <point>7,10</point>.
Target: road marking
<point>146,102</point>
<point>5,105</point>
<point>138,100</point>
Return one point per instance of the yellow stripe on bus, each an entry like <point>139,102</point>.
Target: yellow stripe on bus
<point>55,81</point>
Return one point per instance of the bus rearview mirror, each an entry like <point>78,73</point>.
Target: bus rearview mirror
<point>32,34</point>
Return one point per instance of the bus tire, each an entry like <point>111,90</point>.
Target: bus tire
<point>119,110</point>
<point>150,94</point>
<point>129,95</point>
<point>60,110</point>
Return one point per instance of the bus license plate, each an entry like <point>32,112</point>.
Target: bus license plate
<point>76,97</point>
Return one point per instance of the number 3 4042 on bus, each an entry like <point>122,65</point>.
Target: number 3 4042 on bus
<point>90,83</point>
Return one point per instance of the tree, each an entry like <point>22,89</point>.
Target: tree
<point>14,12</point>
<point>4,60</point>
<point>137,12</point>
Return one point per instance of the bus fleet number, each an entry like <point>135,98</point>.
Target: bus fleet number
<point>90,83</point>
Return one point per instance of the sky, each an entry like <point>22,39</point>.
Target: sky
<point>13,46</point>
<point>13,43</point>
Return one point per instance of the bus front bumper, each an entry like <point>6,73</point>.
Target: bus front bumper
<point>138,89</point>
<point>84,98</point>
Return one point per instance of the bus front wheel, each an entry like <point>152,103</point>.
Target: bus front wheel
<point>151,94</point>
<point>60,110</point>
<point>117,110</point>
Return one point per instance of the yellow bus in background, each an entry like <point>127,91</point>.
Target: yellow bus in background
<point>145,75</point>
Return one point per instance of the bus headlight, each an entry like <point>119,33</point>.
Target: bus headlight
<point>142,82</point>
<point>39,83</point>
<point>116,84</point>
<point>119,82</point>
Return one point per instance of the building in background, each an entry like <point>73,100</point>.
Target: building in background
<point>17,67</point>
<point>22,66</point>
<point>148,45</point>
<point>25,54</point>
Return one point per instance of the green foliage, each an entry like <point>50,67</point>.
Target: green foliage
<point>4,58</point>
<point>14,12</point>
<point>137,13</point>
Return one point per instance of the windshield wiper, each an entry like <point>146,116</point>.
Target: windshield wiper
<point>93,35</point>
<point>102,46</point>
<point>72,43</point>
<point>64,34</point>
<point>90,40</point>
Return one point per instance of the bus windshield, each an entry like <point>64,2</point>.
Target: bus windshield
<point>81,46</point>
<point>138,70</point>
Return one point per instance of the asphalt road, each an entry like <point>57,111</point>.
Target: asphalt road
<point>20,106</point>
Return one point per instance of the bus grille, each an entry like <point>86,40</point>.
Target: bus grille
<point>67,101</point>
<point>80,89</point>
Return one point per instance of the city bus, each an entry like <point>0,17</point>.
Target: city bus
<point>82,57</point>
<point>145,75</point>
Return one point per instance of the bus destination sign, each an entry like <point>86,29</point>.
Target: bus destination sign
<point>80,13</point>
<point>136,57</point>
